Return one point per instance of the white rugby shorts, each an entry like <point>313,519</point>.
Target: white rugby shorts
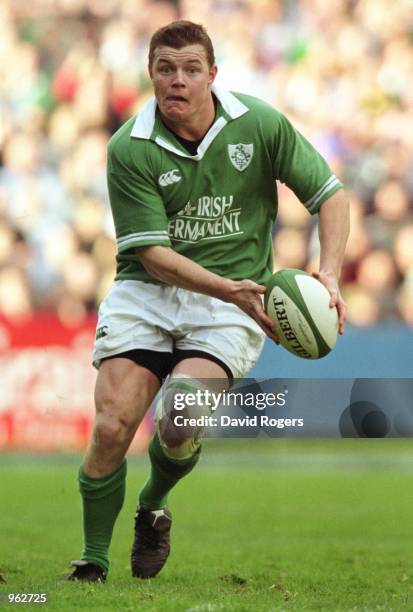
<point>138,315</point>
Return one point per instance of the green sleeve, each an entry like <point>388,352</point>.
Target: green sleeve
<point>299,165</point>
<point>137,207</point>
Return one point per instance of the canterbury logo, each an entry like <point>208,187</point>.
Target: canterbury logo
<point>169,178</point>
<point>101,332</point>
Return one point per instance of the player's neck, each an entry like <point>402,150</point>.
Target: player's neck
<point>196,127</point>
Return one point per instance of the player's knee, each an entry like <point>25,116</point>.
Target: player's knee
<point>177,441</point>
<point>177,421</point>
<point>111,425</point>
<point>109,430</point>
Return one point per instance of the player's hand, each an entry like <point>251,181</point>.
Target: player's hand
<point>247,295</point>
<point>329,280</point>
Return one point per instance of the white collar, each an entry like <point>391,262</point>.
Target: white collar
<point>145,122</point>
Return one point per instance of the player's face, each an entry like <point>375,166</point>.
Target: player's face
<point>182,80</point>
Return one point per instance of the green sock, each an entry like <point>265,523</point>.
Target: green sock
<point>165,473</point>
<point>102,502</point>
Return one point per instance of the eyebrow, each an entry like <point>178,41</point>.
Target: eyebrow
<point>190,61</point>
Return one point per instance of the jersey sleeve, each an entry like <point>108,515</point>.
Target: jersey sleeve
<point>301,167</point>
<point>137,207</point>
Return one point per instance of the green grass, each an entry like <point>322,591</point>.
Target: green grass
<point>260,525</point>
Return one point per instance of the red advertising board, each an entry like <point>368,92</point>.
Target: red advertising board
<point>46,385</point>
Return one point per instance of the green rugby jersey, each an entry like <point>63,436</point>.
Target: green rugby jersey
<point>216,207</point>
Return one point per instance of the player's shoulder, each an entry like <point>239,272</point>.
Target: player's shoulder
<point>123,148</point>
<point>120,141</point>
<point>262,116</point>
<point>259,109</point>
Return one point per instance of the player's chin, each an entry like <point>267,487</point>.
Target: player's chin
<point>175,112</point>
<point>177,116</point>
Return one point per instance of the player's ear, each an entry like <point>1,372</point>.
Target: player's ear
<point>212,73</point>
<point>150,70</point>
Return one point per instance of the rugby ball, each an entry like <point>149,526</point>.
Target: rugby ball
<point>303,320</point>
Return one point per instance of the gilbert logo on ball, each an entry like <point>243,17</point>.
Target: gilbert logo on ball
<point>299,306</point>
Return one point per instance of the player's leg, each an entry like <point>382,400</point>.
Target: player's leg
<point>173,450</point>
<point>133,351</point>
<point>214,342</point>
<point>124,391</point>
<point>173,455</point>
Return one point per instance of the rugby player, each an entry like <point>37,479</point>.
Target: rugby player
<point>192,184</point>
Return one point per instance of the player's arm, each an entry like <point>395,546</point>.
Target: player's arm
<point>298,164</point>
<point>164,264</point>
<point>333,229</point>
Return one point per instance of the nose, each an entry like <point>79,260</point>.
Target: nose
<point>178,79</point>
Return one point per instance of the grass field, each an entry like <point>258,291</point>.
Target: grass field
<point>260,525</point>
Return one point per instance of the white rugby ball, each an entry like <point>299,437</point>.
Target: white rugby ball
<point>303,320</point>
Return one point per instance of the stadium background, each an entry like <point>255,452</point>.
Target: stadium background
<point>71,71</point>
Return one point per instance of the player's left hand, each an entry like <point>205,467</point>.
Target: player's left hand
<point>247,295</point>
<point>329,280</point>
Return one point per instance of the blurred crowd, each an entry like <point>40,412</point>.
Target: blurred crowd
<point>72,71</point>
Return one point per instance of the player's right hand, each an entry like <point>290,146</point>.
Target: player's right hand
<point>247,295</point>
<point>329,280</point>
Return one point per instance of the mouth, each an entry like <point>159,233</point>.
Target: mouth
<point>176,99</point>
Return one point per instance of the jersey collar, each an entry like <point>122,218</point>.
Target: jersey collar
<point>145,126</point>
